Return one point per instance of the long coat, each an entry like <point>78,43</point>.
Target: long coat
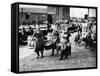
<point>39,44</point>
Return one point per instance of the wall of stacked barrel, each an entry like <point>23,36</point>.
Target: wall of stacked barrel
<point>56,38</point>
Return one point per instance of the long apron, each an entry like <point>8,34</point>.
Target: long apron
<point>39,44</point>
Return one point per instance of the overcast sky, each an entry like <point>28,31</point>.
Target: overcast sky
<point>78,12</point>
<point>92,12</point>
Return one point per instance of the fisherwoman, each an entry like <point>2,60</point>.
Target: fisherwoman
<point>39,44</point>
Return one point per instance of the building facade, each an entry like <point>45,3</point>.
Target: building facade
<point>31,15</point>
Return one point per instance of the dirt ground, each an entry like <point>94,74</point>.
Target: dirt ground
<point>80,58</point>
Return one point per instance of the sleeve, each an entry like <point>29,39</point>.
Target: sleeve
<point>34,34</point>
<point>69,34</point>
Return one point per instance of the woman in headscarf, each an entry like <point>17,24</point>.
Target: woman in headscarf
<point>39,44</point>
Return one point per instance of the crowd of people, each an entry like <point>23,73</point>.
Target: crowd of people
<point>89,36</point>
<point>58,40</point>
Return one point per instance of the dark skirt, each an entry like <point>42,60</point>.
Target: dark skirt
<point>39,45</point>
<point>39,49</point>
<point>66,51</point>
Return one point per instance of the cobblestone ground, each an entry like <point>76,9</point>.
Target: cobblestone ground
<point>80,58</point>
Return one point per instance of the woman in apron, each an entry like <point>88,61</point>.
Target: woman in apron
<point>39,44</point>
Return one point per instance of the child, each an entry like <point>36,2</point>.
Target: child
<point>65,48</point>
<point>77,38</point>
